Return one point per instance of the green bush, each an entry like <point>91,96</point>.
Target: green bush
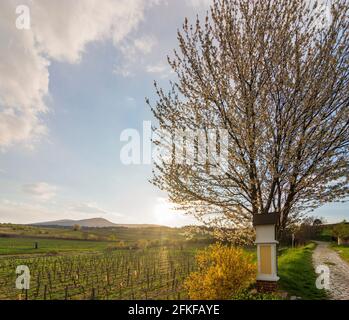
<point>341,230</point>
<point>253,295</point>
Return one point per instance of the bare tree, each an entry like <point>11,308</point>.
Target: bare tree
<point>274,74</point>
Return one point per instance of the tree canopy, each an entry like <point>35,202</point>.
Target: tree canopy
<point>274,76</point>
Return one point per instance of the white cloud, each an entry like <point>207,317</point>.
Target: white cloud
<point>18,212</point>
<point>199,3</point>
<point>33,212</point>
<point>63,34</point>
<point>130,99</point>
<point>60,31</point>
<point>89,208</point>
<point>156,68</point>
<point>160,68</point>
<point>40,191</point>
<point>23,81</point>
<point>133,53</point>
<point>92,209</point>
<point>145,44</point>
<point>123,70</point>
<point>20,126</point>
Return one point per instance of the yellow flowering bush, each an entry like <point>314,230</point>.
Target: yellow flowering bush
<point>223,272</point>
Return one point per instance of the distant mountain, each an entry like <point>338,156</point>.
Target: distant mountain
<point>91,223</point>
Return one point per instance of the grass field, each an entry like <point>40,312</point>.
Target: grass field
<point>144,267</point>
<point>22,246</point>
<point>134,263</point>
<point>343,251</point>
<point>297,275</point>
<point>127,235</point>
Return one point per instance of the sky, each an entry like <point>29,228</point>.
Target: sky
<point>69,86</point>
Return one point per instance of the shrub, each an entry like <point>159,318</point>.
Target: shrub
<point>117,246</point>
<point>253,295</point>
<point>76,227</point>
<point>142,244</point>
<point>341,231</point>
<point>224,272</point>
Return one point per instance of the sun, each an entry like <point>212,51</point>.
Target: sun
<point>164,214</point>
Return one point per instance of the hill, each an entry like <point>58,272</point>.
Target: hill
<point>91,223</point>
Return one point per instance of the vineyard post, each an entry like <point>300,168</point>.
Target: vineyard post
<point>45,292</point>
<point>66,293</point>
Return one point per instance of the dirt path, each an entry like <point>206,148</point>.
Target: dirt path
<point>339,271</point>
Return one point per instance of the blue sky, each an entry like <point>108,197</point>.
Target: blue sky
<point>78,83</point>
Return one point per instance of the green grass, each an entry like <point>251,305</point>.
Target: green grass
<point>18,246</point>
<point>154,236</point>
<point>297,275</point>
<point>26,246</point>
<point>343,251</point>
<point>295,265</point>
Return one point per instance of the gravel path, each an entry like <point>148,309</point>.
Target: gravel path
<point>339,271</point>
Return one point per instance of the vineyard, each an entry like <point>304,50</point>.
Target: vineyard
<point>122,274</point>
